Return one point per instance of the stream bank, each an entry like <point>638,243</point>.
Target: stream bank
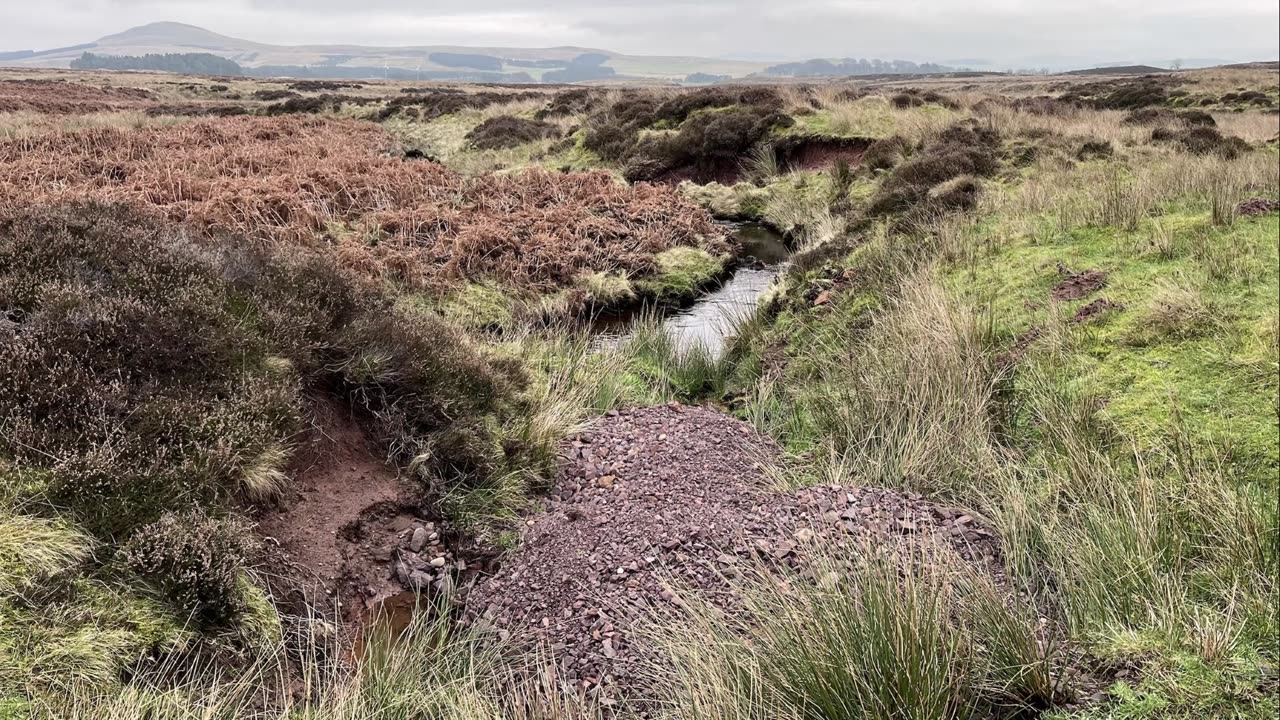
<point>711,316</point>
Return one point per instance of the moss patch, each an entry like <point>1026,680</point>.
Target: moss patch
<point>682,272</point>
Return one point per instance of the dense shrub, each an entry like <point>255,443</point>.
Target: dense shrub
<point>678,109</point>
<point>146,373</point>
<point>130,384</point>
<point>1147,116</point>
<point>706,143</point>
<point>194,561</point>
<point>300,105</point>
<point>507,131</point>
<point>715,125</point>
<point>1047,106</point>
<point>959,193</point>
<point>1125,95</point>
<point>886,153</point>
<point>609,141</point>
<point>196,110</point>
<point>276,94</point>
<point>1197,117</point>
<point>961,150</point>
<point>569,102</point>
<point>904,100</point>
<point>1201,140</point>
<point>1094,149</point>
<point>913,97</point>
<point>434,104</point>
<point>1252,97</point>
<point>1156,116</point>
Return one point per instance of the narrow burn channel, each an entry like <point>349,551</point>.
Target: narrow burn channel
<point>710,318</point>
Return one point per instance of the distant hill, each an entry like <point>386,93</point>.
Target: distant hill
<point>505,64</point>
<point>1120,70</point>
<point>849,67</point>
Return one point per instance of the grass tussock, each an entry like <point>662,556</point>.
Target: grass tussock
<point>871,633</point>
<point>431,670</point>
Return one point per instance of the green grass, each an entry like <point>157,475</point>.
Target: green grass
<point>1216,380</point>
<point>1129,463</point>
<point>480,307</point>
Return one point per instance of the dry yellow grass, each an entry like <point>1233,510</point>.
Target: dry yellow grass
<point>1255,127</point>
<point>1100,124</point>
<point>25,124</point>
<point>1222,79</point>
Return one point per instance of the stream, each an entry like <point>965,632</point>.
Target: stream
<point>709,319</point>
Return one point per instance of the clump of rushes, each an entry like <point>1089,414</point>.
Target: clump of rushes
<point>865,633</point>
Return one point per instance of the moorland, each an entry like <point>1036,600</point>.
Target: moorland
<point>309,407</point>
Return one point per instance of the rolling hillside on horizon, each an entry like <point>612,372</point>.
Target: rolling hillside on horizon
<point>564,63</point>
<point>172,37</point>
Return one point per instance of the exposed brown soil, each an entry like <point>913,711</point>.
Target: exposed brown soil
<point>1018,350</point>
<point>1093,309</point>
<point>339,527</point>
<point>822,153</point>
<point>1074,286</point>
<point>653,498</point>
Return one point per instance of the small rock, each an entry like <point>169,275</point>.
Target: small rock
<point>419,539</point>
<point>438,562</point>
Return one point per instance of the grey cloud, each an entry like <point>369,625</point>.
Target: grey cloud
<point>1002,30</point>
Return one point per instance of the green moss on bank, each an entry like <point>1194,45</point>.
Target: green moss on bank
<point>682,273</point>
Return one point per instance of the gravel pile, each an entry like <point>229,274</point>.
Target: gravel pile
<point>656,497</point>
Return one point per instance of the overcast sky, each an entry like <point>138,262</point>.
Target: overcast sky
<point>995,30</point>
